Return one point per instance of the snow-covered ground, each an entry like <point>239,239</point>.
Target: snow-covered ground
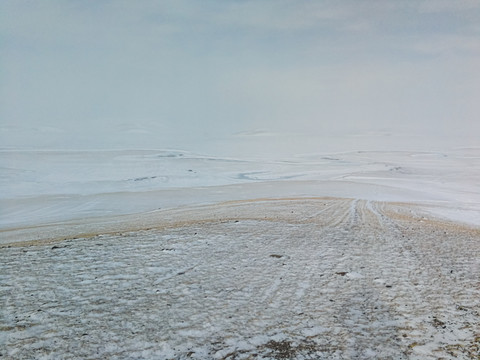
<point>318,278</point>
<point>39,187</point>
<point>361,253</point>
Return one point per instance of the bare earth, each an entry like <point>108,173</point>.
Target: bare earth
<point>316,278</point>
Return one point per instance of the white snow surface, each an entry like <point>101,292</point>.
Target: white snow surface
<point>317,278</point>
<point>39,187</point>
<point>169,254</point>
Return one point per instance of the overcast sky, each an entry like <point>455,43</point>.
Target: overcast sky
<point>215,67</point>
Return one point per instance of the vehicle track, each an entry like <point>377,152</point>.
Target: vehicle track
<point>317,278</point>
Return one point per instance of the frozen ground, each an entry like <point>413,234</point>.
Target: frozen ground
<point>174,255</point>
<point>40,187</point>
<point>317,278</point>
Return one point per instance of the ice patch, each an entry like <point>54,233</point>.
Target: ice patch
<point>354,275</point>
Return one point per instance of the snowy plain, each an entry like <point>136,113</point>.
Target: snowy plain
<point>41,186</point>
<point>333,251</point>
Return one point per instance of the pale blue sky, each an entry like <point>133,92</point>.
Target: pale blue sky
<point>205,69</point>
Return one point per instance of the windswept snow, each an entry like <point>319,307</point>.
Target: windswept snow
<point>173,255</point>
<point>39,187</point>
<point>317,278</point>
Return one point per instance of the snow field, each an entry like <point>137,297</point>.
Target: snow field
<point>293,278</point>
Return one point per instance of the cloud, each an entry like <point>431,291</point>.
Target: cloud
<point>438,6</point>
<point>230,66</point>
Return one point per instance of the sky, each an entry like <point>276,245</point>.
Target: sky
<point>169,73</point>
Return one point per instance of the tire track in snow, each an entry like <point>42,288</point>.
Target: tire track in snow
<point>318,278</point>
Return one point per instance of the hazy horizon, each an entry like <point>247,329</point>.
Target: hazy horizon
<point>103,74</point>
